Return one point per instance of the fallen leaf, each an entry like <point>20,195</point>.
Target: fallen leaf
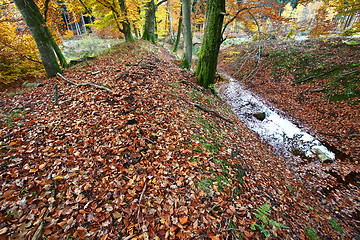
<point>183,220</point>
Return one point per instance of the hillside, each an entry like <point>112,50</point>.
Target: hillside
<point>149,155</point>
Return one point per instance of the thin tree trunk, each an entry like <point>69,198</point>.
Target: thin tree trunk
<point>178,35</point>
<point>187,57</point>
<point>206,67</point>
<point>46,8</point>
<point>41,34</point>
<point>170,25</point>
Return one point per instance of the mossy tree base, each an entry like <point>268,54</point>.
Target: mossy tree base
<point>206,67</point>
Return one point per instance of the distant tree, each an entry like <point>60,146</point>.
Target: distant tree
<point>43,38</point>
<point>178,35</point>
<point>149,25</point>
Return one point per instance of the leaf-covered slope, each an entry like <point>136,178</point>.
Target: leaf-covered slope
<point>144,161</point>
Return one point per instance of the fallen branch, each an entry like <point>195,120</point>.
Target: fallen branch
<point>192,85</point>
<point>315,76</point>
<point>349,73</point>
<point>140,199</point>
<point>85,84</point>
<point>204,109</point>
<point>25,106</point>
<point>56,95</point>
<point>318,90</point>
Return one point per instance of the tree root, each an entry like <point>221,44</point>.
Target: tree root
<point>85,84</point>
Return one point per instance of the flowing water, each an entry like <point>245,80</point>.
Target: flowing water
<point>281,133</point>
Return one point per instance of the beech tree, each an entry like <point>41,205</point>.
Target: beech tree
<point>149,25</point>
<point>186,21</point>
<point>206,67</point>
<point>42,36</point>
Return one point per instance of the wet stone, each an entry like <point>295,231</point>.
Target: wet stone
<point>260,115</point>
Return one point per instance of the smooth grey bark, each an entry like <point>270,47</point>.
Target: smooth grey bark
<point>170,25</point>
<point>187,57</point>
<point>43,38</point>
<point>206,67</point>
<point>149,26</point>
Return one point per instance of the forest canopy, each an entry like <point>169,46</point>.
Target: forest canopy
<point>20,59</point>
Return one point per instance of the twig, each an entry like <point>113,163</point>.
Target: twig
<point>130,110</point>
<point>25,106</point>
<point>129,237</point>
<point>7,136</point>
<point>85,84</point>
<point>318,90</point>
<point>61,102</point>
<point>58,123</point>
<point>204,109</point>
<point>38,232</point>
<point>140,199</point>
<point>56,94</point>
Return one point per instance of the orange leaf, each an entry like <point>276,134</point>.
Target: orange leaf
<point>183,220</point>
<point>12,144</point>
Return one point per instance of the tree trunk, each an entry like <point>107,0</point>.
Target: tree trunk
<point>170,26</point>
<point>206,67</point>
<point>127,31</point>
<point>126,24</point>
<point>178,35</point>
<point>43,38</point>
<point>186,8</point>
<point>149,26</point>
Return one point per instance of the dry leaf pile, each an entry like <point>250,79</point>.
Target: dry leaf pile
<point>143,162</point>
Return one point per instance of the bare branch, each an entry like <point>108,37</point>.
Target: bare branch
<point>234,17</point>
<point>161,2</point>
<point>19,52</point>
<point>85,84</point>
<point>259,47</point>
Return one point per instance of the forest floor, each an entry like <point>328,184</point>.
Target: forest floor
<point>150,155</point>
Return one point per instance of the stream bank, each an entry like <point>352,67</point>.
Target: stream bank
<point>333,123</point>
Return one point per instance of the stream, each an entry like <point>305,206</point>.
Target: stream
<point>267,121</point>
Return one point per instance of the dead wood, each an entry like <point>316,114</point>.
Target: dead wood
<point>315,76</point>
<point>204,109</point>
<point>85,84</point>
